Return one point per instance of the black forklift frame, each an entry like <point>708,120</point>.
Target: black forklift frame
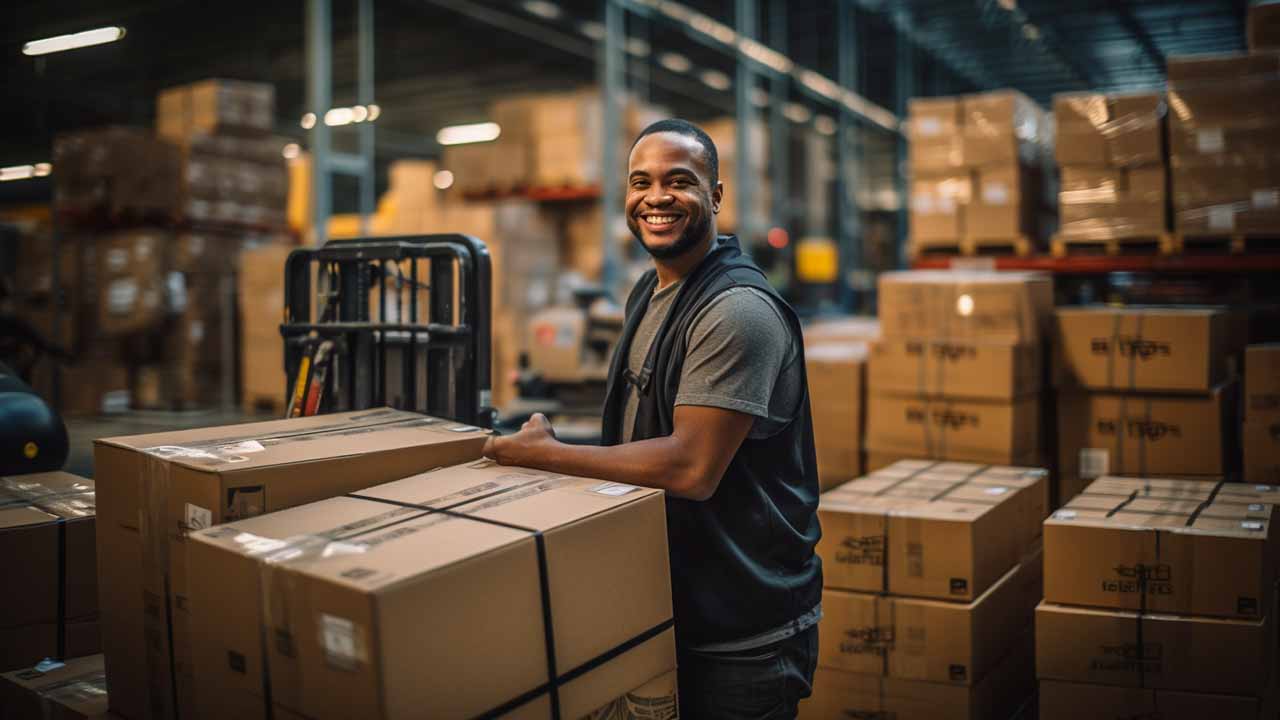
<point>454,336</point>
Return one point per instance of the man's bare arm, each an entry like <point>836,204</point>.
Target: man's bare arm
<point>688,463</point>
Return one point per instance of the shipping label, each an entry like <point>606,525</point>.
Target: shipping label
<point>867,550</point>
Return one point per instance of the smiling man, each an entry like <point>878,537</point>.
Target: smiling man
<point>707,400</point>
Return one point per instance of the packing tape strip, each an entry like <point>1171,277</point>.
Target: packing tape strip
<point>80,688</point>
<point>75,501</point>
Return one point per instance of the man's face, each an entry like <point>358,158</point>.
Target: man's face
<point>670,199</point>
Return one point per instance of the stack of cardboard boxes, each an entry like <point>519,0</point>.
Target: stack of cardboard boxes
<point>1114,177</point>
<point>47,538</point>
<point>1144,391</point>
<point>75,689</point>
<point>977,172</point>
<point>1159,601</point>
<point>350,565</point>
<point>1262,414</point>
<point>932,574</point>
<point>1224,144</point>
<point>835,357</point>
<point>957,371</point>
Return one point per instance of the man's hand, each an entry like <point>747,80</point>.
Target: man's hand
<point>523,447</point>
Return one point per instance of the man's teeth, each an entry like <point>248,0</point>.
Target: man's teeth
<point>660,219</point>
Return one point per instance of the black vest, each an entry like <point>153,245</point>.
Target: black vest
<point>742,562</point>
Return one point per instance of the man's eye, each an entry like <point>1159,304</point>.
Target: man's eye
<point>680,183</point>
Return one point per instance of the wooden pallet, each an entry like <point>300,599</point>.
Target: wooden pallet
<point>1228,243</point>
<point>1020,246</point>
<point>1157,244</point>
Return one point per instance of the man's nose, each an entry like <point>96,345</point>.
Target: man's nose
<point>658,196</point>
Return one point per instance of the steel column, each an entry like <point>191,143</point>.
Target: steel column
<point>319,100</point>
<point>364,96</point>
<point>848,160</point>
<point>905,77</point>
<point>612,86</point>
<point>779,130</point>
<point>745,19</point>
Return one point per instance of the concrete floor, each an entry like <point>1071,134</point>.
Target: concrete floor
<point>82,431</point>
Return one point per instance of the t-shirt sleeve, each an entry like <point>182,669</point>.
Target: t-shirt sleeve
<point>737,347</point>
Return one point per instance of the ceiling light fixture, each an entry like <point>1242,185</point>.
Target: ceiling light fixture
<point>714,79</point>
<point>291,151</point>
<point>443,180</point>
<point>542,8</point>
<point>59,43</point>
<point>463,134</point>
<point>25,172</point>
<point>675,62</point>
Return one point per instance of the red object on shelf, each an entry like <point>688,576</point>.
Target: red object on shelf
<point>1097,264</point>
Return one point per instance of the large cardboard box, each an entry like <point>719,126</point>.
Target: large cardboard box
<point>261,307</point>
<point>74,689</point>
<point>937,530</point>
<point>132,281</point>
<point>47,538</point>
<point>116,174</point>
<point>837,375</point>
<point>930,640</point>
<point>1139,348</point>
<point>1162,652</point>
<point>1002,127</point>
<point>934,135</point>
<point>212,106</point>
<point>154,489</point>
<point>1069,701</point>
<point>1005,204</point>
<point>1005,689</point>
<point>879,459</point>
<point>997,307</point>
<point>1262,380</point>
<point>1143,552</point>
<point>938,206</point>
<point>938,426</point>
<point>1102,433</point>
<point>951,368</point>
<point>841,330</point>
<point>1262,449</point>
<point>378,576</point>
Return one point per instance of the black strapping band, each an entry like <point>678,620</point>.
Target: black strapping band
<point>1213,495</point>
<point>956,485</point>
<point>1123,503</point>
<point>556,680</point>
<point>62,589</point>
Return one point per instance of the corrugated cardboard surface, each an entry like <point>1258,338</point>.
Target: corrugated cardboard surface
<point>930,640</point>
<point>841,694</point>
<point>837,375</point>
<point>939,426</point>
<point>1262,450</point>
<point>1070,701</point>
<point>997,307</point>
<point>1163,652</point>
<point>350,622</point>
<point>963,368</point>
<point>1262,381</point>
<point>190,479</point>
<point>1102,433</point>
<point>1176,349</point>
<point>878,459</point>
<point>1006,199</point>
<point>941,530</point>
<point>841,330</point>
<point>75,690</point>
<point>938,206</point>
<point>1202,556</point>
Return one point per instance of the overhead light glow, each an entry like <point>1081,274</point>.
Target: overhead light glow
<point>591,29</point>
<point>308,121</point>
<point>60,43</point>
<point>43,170</point>
<point>675,62</point>
<point>637,47</point>
<point>359,113</point>
<point>443,180</point>
<point>339,116</point>
<point>17,172</point>
<point>714,79</point>
<point>765,55</point>
<point>825,124</point>
<point>474,133</point>
<point>374,112</point>
<point>290,151</point>
<point>542,9</point>
<point>759,97</point>
<point>796,113</point>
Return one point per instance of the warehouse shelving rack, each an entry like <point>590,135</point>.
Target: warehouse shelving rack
<point>399,321</point>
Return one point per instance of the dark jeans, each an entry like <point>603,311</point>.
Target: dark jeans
<point>765,683</point>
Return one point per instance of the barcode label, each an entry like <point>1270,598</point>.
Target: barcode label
<point>1094,462</point>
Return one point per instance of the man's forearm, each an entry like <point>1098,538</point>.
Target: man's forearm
<point>657,463</point>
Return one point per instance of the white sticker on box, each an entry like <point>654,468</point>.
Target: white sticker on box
<point>1210,140</point>
<point>1251,525</point>
<point>1065,514</point>
<point>121,296</point>
<point>947,205</point>
<point>922,204</point>
<point>1255,507</point>
<point>342,641</point>
<point>1222,217</point>
<point>928,126</point>
<point>613,489</point>
<point>994,193</point>
<point>1264,488</point>
<point>244,446</point>
<point>198,518</point>
<point>116,259</point>
<point>1094,462</point>
<point>996,490</point>
<point>1266,199</point>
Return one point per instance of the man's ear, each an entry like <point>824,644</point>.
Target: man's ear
<point>717,195</point>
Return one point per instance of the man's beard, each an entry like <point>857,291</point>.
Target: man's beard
<point>693,233</point>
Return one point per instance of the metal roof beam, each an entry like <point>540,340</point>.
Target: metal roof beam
<point>1130,22</point>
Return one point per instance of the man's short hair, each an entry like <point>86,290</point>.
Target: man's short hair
<point>688,129</point>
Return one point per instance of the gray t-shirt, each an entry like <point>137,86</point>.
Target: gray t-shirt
<point>740,353</point>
